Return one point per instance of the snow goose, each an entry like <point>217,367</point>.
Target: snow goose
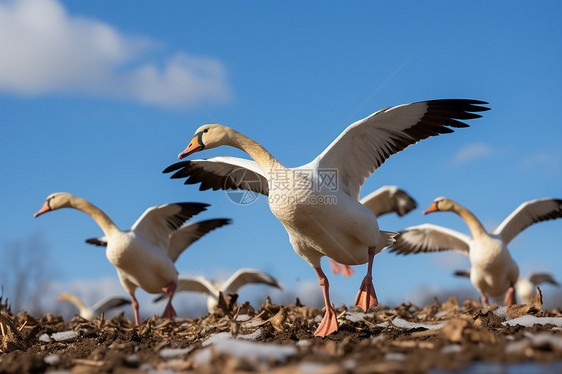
<point>144,255</point>
<point>318,203</point>
<point>236,281</point>
<point>526,288</point>
<point>387,199</point>
<point>100,307</point>
<point>493,272</point>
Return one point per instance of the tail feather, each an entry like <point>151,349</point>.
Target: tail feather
<point>386,240</point>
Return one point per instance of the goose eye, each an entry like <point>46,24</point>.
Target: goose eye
<point>206,130</point>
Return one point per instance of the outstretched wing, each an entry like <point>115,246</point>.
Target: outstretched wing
<point>388,199</point>
<point>526,214</point>
<point>367,143</point>
<point>430,238</point>
<point>227,173</point>
<point>159,222</point>
<point>189,234</point>
<point>109,303</point>
<point>539,278</point>
<point>199,284</point>
<point>247,276</point>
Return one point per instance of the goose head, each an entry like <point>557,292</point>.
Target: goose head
<point>441,204</point>
<point>55,201</point>
<point>207,137</point>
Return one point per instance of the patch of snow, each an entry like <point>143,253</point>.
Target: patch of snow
<point>251,336</point>
<point>544,339</point>
<point>382,324</point>
<point>318,318</point>
<point>517,347</point>
<point>376,339</point>
<point>253,323</point>
<point>303,343</point>
<point>355,316</point>
<point>394,356</point>
<point>145,367</point>
<point>349,364</point>
<point>203,357</point>
<point>451,348</point>
<point>51,359</point>
<point>215,338</point>
<point>64,336</point>
<point>44,338</point>
<point>243,317</point>
<point>501,312</point>
<point>173,352</point>
<point>132,359</point>
<point>399,322</point>
<point>530,321</point>
<point>257,352</point>
<point>311,367</point>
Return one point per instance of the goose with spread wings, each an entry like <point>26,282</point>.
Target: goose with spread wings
<point>144,255</point>
<point>236,281</point>
<point>97,309</point>
<point>318,203</point>
<point>493,271</point>
<point>525,288</point>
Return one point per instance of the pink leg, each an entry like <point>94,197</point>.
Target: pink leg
<point>347,271</point>
<point>366,297</point>
<point>485,300</point>
<point>135,305</point>
<point>336,268</point>
<point>510,296</point>
<point>169,312</point>
<point>329,323</point>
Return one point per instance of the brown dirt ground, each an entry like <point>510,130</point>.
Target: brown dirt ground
<point>365,343</point>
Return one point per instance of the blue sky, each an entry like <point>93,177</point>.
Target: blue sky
<point>97,101</point>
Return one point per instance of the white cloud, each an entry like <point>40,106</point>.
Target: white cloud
<point>537,160</point>
<point>45,50</point>
<point>471,152</point>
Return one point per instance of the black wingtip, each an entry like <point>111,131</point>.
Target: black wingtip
<point>96,241</point>
<point>176,166</point>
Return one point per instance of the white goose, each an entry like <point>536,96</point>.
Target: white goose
<point>318,203</point>
<point>100,307</point>
<point>144,255</point>
<point>386,199</point>
<point>526,288</point>
<point>493,271</point>
<point>236,281</point>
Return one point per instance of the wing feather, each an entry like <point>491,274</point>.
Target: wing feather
<point>388,199</point>
<point>221,173</point>
<point>189,234</point>
<point>526,214</point>
<point>367,143</point>
<point>159,222</point>
<point>430,238</point>
<point>247,276</point>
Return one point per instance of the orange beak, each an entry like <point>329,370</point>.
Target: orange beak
<point>195,145</point>
<point>432,208</point>
<point>44,209</point>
